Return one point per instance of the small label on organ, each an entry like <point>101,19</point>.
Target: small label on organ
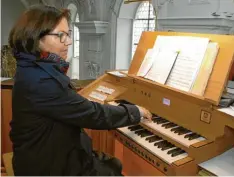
<point>166,101</point>
<point>205,117</point>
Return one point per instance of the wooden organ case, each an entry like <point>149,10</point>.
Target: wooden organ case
<point>212,130</point>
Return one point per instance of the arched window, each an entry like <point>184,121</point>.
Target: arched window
<point>76,38</point>
<point>144,21</point>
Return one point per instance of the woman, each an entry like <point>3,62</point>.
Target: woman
<point>48,115</point>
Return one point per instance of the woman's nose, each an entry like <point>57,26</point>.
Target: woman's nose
<point>68,41</point>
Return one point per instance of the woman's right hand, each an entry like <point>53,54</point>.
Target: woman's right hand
<point>145,113</point>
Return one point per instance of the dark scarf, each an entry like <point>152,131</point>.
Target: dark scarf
<point>44,56</point>
<point>62,64</point>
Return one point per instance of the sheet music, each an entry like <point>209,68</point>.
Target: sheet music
<point>163,63</point>
<point>183,72</point>
<point>147,63</point>
<point>205,69</point>
<point>189,59</point>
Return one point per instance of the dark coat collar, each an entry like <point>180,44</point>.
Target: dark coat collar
<point>50,67</point>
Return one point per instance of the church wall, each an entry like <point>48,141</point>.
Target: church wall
<point>10,11</point>
<point>176,15</point>
<point>205,16</point>
<point>106,34</point>
<point>197,8</point>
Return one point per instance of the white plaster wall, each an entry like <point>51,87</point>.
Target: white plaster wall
<point>182,8</point>
<point>124,47</point>
<point>128,10</point>
<point>200,16</point>
<point>124,35</point>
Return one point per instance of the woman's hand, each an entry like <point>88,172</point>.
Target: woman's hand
<point>145,113</point>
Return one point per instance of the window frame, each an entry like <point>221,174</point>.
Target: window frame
<point>150,7</point>
<point>75,41</point>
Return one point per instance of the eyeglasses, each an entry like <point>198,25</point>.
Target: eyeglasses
<point>62,35</point>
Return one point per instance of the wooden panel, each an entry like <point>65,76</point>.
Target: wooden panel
<point>205,152</point>
<point>110,143</point>
<point>118,150</point>
<point>95,135</point>
<point>133,165</point>
<point>102,140</point>
<point>6,114</point>
<point>223,62</point>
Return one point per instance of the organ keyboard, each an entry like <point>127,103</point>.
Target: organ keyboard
<point>186,129</point>
<point>174,131</point>
<point>159,147</point>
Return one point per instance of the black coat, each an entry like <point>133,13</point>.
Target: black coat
<point>48,117</point>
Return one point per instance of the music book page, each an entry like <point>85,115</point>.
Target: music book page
<point>163,63</point>
<point>147,63</point>
<point>191,53</point>
<point>205,69</point>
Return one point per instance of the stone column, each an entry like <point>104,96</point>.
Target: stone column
<point>91,48</point>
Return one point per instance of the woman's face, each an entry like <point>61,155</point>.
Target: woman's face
<point>57,41</point>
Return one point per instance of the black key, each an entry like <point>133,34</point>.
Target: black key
<point>159,143</point>
<point>157,119</point>
<point>153,138</point>
<point>189,135</point>
<point>162,144</point>
<point>164,125</point>
<point>175,129</point>
<point>173,150</point>
<point>184,132</point>
<point>181,151</point>
<point>139,132</point>
<point>194,137</point>
<point>169,146</point>
<point>132,126</point>
<point>135,127</point>
<point>148,133</point>
<point>162,121</point>
<point>169,125</point>
<point>180,130</point>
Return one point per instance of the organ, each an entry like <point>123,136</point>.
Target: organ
<point>186,129</point>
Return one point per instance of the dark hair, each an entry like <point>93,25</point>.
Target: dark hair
<point>33,24</point>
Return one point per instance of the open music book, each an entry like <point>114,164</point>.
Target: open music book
<point>181,62</point>
<point>161,68</point>
<point>157,65</point>
<point>205,69</point>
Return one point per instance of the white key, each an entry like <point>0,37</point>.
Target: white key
<point>150,146</point>
<point>167,132</point>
